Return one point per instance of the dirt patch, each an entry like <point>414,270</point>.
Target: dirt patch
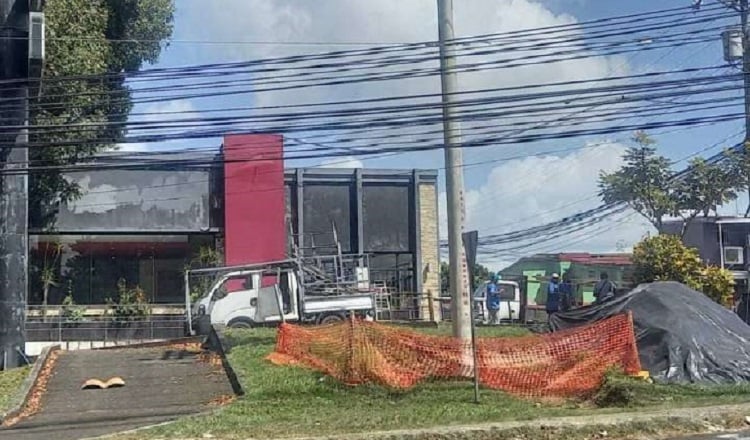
<point>222,400</point>
<point>210,358</point>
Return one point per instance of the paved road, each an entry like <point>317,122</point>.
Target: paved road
<point>161,385</point>
<point>733,436</point>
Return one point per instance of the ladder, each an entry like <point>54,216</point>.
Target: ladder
<point>382,301</point>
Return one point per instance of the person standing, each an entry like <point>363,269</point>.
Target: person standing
<point>566,293</point>
<point>493,301</point>
<point>553,296</point>
<point>604,289</point>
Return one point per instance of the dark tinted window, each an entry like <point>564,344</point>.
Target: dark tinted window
<point>386,218</point>
<point>324,207</point>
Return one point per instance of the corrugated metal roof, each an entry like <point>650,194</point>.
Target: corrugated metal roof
<point>597,259</point>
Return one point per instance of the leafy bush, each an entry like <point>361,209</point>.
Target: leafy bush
<point>666,258</point>
<point>206,257</point>
<point>131,302</point>
<point>71,311</point>
<point>718,284</point>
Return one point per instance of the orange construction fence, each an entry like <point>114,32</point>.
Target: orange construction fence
<point>569,363</point>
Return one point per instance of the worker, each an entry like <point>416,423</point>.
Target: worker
<point>553,296</point>
<point>566,293</point>
<point>604,289</point>
<point>493,301</point>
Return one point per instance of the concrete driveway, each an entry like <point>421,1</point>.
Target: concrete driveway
<point>161,385</point>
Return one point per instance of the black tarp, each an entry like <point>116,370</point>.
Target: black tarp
<point>682,335</point>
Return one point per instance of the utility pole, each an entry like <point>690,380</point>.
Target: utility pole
<point>17,63</point>
<point>454,181</point>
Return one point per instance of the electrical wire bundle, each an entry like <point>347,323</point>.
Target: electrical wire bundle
<point>391,125</point>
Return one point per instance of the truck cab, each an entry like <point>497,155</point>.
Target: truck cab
<point>245,299</point>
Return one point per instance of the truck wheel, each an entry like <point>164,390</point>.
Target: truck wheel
<point>330,319</point>
<point>240,323</point>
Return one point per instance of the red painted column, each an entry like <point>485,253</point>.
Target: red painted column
<point>254,205</point>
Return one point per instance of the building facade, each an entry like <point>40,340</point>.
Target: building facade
<point>722,242</point>
<point>146,225</point>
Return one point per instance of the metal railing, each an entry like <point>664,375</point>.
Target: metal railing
<point>103,323</point>
<point>105,329</point>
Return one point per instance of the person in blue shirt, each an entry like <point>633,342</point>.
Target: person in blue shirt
<point>553,296</point>
<point>493,301</point>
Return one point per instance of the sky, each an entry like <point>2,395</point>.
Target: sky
<point>506,187</point>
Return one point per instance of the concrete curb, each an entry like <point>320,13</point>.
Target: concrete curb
<point>544,426</point>
<point>28,384</point>
<point>215,343</point>
<point>569,422</point>
<point>503,430</point>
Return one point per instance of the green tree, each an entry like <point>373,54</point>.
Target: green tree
<point>481,274</point>
<point>665,258</point>
<point>84,102</point>
<point>739,162</point>
<point>643,182</point>
<point>704,188</point>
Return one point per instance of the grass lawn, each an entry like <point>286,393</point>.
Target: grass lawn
<point>10,384</point>
<point>289,401</point>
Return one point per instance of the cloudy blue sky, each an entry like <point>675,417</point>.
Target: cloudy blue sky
<point>502,194</point>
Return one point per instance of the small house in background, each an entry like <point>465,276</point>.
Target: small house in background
<point>582,269</point>
<point>722,242</point>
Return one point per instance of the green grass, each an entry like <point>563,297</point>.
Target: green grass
<point>10,384</point>
<point>291,401</point>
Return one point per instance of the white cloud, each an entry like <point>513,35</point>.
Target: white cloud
<point>383,21</point>
<point>167,111</point>
<point>133,148</point>
<point>345,162</point>
<point>534,191</point>
<point>516,194</point>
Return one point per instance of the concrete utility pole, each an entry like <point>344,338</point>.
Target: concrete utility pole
<point>14,70</point>
<point>454,178</point>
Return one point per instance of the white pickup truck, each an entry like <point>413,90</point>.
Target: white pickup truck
<point>257,297</point>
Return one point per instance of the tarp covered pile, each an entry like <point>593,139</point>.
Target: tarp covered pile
<point>682,335</point>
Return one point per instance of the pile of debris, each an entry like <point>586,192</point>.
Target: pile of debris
<point>682,335</point>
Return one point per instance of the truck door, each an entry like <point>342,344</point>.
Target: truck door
<point>231,299</point>
<point>510,296</point>
<point>282,295</point>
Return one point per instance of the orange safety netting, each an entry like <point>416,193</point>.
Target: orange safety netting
<point>563,364</point>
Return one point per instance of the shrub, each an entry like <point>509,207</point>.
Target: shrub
<point>71,311</point>
<point>131,302</point>
<point>666,258</point>
<point>718,284</point>
<point>206,257</point>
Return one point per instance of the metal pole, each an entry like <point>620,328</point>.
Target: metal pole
<point>475,358</point>
<point>188,311</point>
<point>14,16</point>
<point>454,179</point>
